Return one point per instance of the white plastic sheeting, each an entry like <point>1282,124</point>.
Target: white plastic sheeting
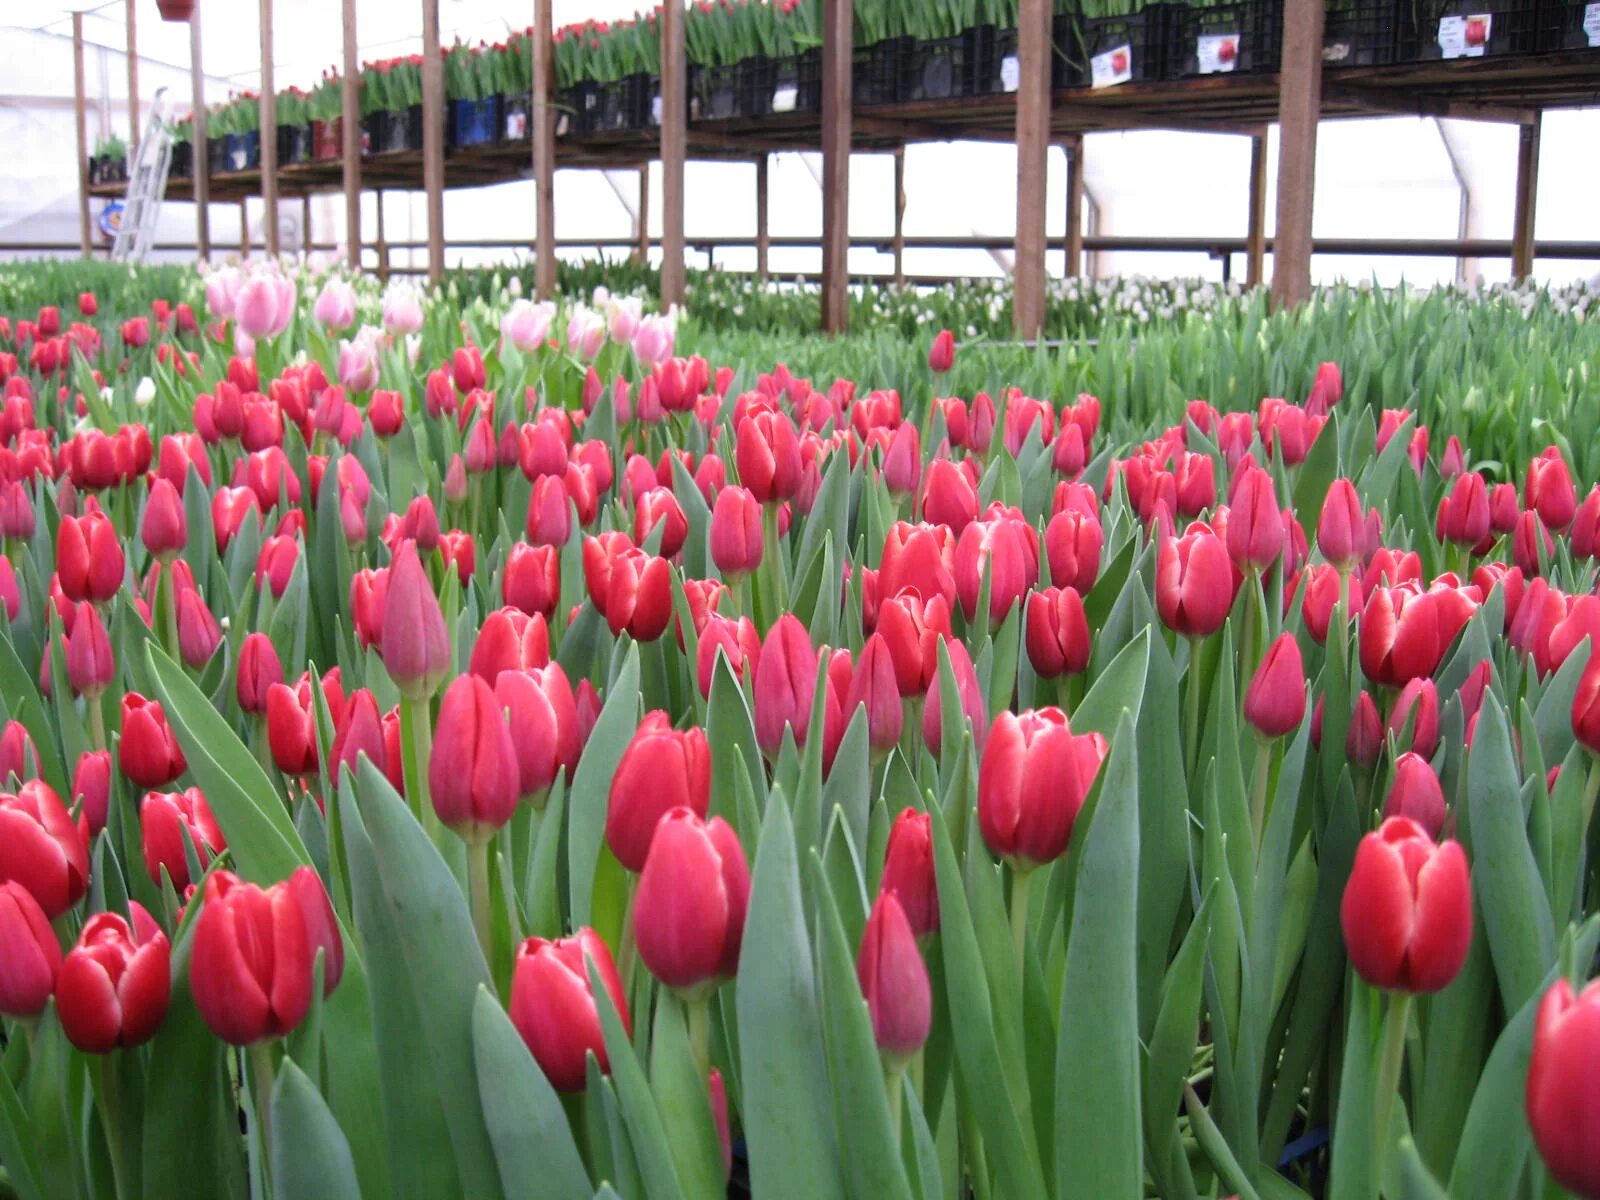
<point>1389,177</point>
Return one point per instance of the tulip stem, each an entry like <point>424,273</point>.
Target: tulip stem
<point>109,1104</point>
<point>1020,882</point>
<point>478,886</point>
<point>1389,1066</point>
<point>260,1056</point>
<point>168,597</point>
<point>699,1017</point>
<point>1258,790</point>
<point>97,723</point>
<point>416,733</point>
<point>894,1085</point>
<point>1191,688</point>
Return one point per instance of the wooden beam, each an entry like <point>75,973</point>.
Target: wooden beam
<point>674,146</point>
<point>80,116</point>
<point>306,240</point>
<point>244,227</point>
<point>838,32</point>
<point>433,136</point>
<point>1256,231</point>
<point>1299,108</point>
<point>1522,245</point>
<point>382,244</point>
<point>350,135</point>
<point>269,136</point>
<point>1033,146</point>
<point>763,234</point>
<point>133,79</point>
<point>1075,190</point>
<point>202,159</point>
<point>641,229</point>
<point>899,244</point>
<point>543,117</point>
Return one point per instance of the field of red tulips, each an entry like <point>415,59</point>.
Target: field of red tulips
<point>495,751</point>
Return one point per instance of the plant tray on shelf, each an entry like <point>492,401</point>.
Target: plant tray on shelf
<point>475,122</point>
<point>1140,47</point>
<point>1469,29</point>
<point>294,144</point>
<point>989,63</point>
<point>1363,34</point>
<point>1245,37</point>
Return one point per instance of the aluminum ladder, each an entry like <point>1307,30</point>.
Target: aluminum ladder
<point>147,184</point>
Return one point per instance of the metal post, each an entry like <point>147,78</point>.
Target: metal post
<point>838,32</point>
<point>1299,107</point>
<point>382,245</point>
<point>269,135</point>
<point>899,214</point>
<point>202,159</point>
<point>133,79</point>
<point>763,238</point>
<point>1256,235</point>
<point>674,146</point>
<point>1033,147</point>
<point>641,224</point>
<point>244,227</point>
<point>350,136</point>
<point>544,152</point>
<point>81,117</point>
<point>306,240</point>
<point>1522,242</point>
<point>1075,191</point>
<point>433,136</point>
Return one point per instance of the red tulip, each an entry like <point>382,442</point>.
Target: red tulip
<point>1407,909</point>
<point>1403,635</point>
<point>1416,794</point>
<point>1548,490</point>
<point>89,557</point>
<point>90,665</point>
<point>553,1004</point>
<point>785,684</point>
<point>113,987</point>
<point>91,787</point>
<point>661,769</point>
<point>276,564</point>
<point>473,775</point>
<point>1057,633</point>
<point>1255,521</point>
<point>950,497</point>
<point>164,818</point>
<point>252,959</point>
<point>1560,1097</point>
<point>1275,700</point>
<point>32,955</point>
<point>690,906</point>
<point>942,354</point>
<point>467,365</point>
<point>1417,706</point>
<point>908,871</point>
<point>531,578</point>
<point>913,629</point>
<point>767,454</point>
<point>509,640</point>
<point>1364,741</point>
<point>416,643</point>
<point>873,685</point>
<point>292,728</point>
<point>921,557</point>
<point>894,981</point>
<point>359,732</point>
<point>1006,547</point>
<point>1340,527</point>
<point>1585,531</point>
<point>18,755</point>
<point>1034,777</point>
<point>259,668</point>
<point>1464,513</point>
<point>544,726</point>
<point>230,506</point>
<point>736,535</point>
<point>1586,707</point>
<point>659,508</point>
<point>737,640</point>
<point>41,848</point>
<point>1531,544</point>
<point>1195,583</point>
<point>149,754</point>
<point>199,635</point>
<point>87,304</point>
<point>902,461</point>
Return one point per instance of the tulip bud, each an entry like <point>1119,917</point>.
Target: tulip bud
<point>32,957</point>
<point>1548,490</point>
<point>785,684</point>
<point>41,848</point>
<point>942,354</point>
<point>245,991</point>
<point>736,535</point>
<point>767,453</point>
<point>291,728</point>
<point>509,640</point>
<point>1339,528</point>
<point>18,755</point>
<point>1561,1084</point>
<point>90,665</point>
<point>638,595</point>
<point>113,987</point>
<point>416,644</point>
<point>1255,522</point>
<point>873,685</point>
<point>89,558</point>
<point>661,769</point>
<point>1464,513</point>
<point>1195,583</point>
<point>259,668</point>
<point>164,527</point>
<point>1057,633</point>
<point>544,726</point>
<point>902,461</point>
<point>1033,780</point>
<point>199,635</point>
<point>322,927</point>
<point>148,754</point>
<point>91,787</point>
<point>360,732</point>
<point>1418,707</point>
<point>894,981</point>
<point>1275,700</point>
<point>908,872</point>
<point>1586,707</point>
<point>1416,794</point>
<point>1006,547</point>
<point>1407,909</point>
<point>553,1004</point>
<point>472,774</point>
<point>164,818</point>
<point>690,906</point>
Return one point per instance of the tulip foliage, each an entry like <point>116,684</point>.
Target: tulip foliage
<point>496,753</point>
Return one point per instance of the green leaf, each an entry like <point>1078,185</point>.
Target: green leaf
<point>533,1144</point>
<point>787,1111</point>
<point>591,786</point>
<point>646,1134</point>
<point>683,1099</point>
<point>1097,1059</point>
<point>310,1157</point>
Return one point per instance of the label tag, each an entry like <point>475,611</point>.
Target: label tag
<point>1011,71</point>
<point>516,126</point>
<point>1464,37</point>
<point>1591,23</point>
<point>655,110</point>
<point>1113,67</point>
<point>783,100</point>
<point>1217,52</point>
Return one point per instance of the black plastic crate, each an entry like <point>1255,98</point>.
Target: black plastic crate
<point>1068,65</point>
<point>985,70</point>
<point>294,144</point>
<point>1364,34</point>
<point>714,92</point>
<point>935,69</point>
<point>1152,37</point>
<point>884,71</point>
<point>808,81</point>
<point>182,165</point>
<point>1249,37</point>
<point>1490,27</point>
<point>1569,25</point>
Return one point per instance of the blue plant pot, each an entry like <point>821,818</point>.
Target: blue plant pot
<point>475,122</point>
<point>244,151</point>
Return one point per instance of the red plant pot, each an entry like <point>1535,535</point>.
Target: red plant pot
<point>176,10</point>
